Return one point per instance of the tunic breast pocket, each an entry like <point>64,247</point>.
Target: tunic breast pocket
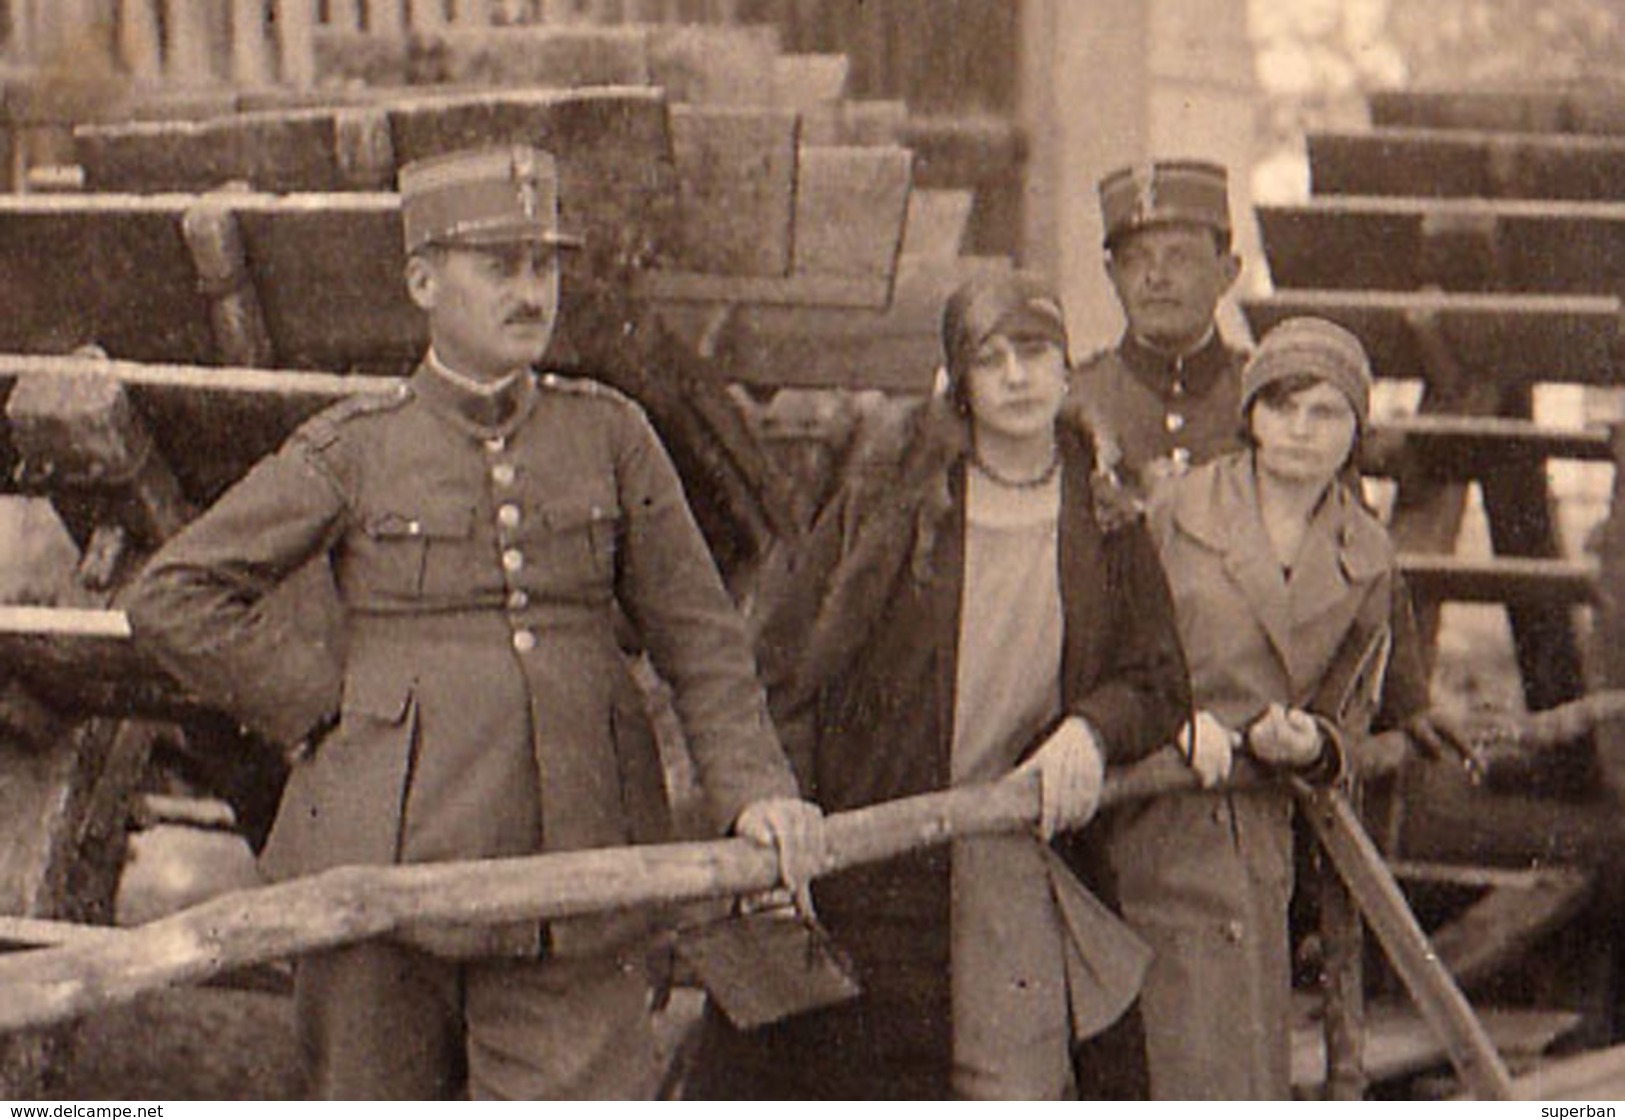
<point>576,542</point>
<point>421,553</point>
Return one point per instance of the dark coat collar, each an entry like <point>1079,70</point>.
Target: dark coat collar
<point>1196,373</point>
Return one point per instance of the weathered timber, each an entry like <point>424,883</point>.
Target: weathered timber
<point>1504,579</point>
<point>805,81</point>
<point>1607,653</point>
<point>1462,447</point>
<point>1443,163</point>
<point>560,56</point>
<point>1496,930</point>
<point>1501,337</point>
<point>1592,109</point>
<point>81,442</point>
<point>936,223</point>
<point>1458,244</point>
<point>896,349</point>
<point>1398,1042</point>
<point>209,423</point>
<point>1335,824</point>
<point>850,204</point>
<point>216,245</point>
<point>1342,985</point>
<point>1598,1075</point>
<point>80,660</point>
<point>736,180</point>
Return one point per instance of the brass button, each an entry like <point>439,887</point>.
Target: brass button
<point>513,560</point>
<point>414,527</point>
<point>1234,931</point>
<point>1173,421</point>
<point>524,641</point>
<point>1177,389</point>
<point>503,474</point>
<point>518,600</point>
<point>1181,456</point>
<point>508,516</point>
<point>496,444</point>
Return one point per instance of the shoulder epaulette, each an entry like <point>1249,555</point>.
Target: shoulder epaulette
<point>583,386</point>
<point>321,430</point>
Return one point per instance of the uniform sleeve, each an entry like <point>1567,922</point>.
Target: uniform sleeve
<point>1144,691</point>
<point>669,587</point>
<point>216,607</point>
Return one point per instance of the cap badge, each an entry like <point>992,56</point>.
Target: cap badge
<point>525,176</point>
<point>1145,188</point>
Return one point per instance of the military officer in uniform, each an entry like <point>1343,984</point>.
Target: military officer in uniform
<point>483,527</point>
<point>1166,396</point>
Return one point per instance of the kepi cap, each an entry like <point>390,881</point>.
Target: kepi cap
<point>485,196</point>
<point>1132,198</point>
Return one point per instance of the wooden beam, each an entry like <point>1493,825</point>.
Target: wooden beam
<point>850,206</point>
<point>1504,579</point>
<point>1510,339</point>
<point>557,55</point>
<point>1460,448</point>
<point>1594,110</point>
<point>736,182</point>
<point>1427,162</point>
<point>1498,929</point>
<point>1399,244</point>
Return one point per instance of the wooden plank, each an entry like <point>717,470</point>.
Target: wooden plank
<point>1498,929</point>
<point>1504,579</point>
<point>281,151</point>
<point>296,52</point>
<point>1596,109</point>
<point>935,226</point>
<point>850,205</point>
<point>1444,163</point>
<point>1510,338</point>
<point>250,53</point>
<point>1598,1075</point>
<point>1399,1043</point>
<point>1457,244</point>
<point>562,56</point>
<point>736,180</point>
<point>1448,1014</point>
<point>714,64</point>
<point>800,290</point>
<point>896,349</point>
<point>1461,448</point>
<point>112,270</point>
<point>209,423</point>
<point>806,81</point>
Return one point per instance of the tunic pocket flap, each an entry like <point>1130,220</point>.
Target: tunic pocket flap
<point>452,523</point>
<point>578,514</point>
<point>377,692</point>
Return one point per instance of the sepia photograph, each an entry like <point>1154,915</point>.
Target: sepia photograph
<point>802,550</point>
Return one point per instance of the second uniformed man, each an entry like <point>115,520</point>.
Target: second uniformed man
<point>483,525</point>
<point>1167,394</point>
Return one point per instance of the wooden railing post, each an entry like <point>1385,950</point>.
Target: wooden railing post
<point>250,53</point>
<point>139,41</point>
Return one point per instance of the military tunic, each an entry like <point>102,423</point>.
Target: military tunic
<point>481,546</point>
<point>1164,414</point>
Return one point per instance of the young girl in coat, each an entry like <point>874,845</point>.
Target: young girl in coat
<point>960,616</point>
<point>1280,575</point>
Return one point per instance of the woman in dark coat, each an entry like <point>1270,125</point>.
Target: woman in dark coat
<point>962,614</point>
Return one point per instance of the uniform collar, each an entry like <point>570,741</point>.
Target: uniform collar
<point>1171,377</point>
<point>480,412</point>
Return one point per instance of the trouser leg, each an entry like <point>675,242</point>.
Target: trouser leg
<point>570,1029</point>
<point>379,1021</point>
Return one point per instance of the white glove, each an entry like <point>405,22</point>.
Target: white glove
<point>1210,748</point>
<point>1285,737</point>
<point>1071,769</point>
<point>796,830</point>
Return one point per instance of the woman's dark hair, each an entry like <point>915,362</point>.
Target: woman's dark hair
<point>1277,393</point>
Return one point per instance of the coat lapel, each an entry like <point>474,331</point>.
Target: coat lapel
<point>1223,516</point>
